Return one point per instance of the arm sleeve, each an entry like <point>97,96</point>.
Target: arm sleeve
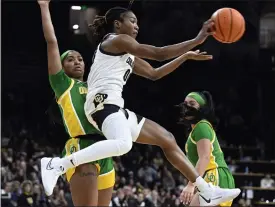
<point>60,82</point>
<point>202,131</point>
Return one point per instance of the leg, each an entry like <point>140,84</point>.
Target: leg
<point>119,141</point>
<point>153,134</point>
<point>106,181</point>
<point>105,196</point>
<point>83,186</point>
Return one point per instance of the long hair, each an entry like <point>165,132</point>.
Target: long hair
<point>208,109</point>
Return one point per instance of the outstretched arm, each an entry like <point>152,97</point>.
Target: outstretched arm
<point>54,62</point>
<point>127,44</point>
<point>144,69</point>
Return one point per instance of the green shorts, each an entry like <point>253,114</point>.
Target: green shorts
<point>105,167</point>
<point>221,177</point>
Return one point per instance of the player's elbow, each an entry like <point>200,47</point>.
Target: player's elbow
<point>154,75</point>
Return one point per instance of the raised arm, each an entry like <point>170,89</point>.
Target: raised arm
<point>144,69</point>
<point>126,43</point>
<point>54,62</point>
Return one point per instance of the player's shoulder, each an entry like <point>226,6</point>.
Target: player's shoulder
<point>203,124</point>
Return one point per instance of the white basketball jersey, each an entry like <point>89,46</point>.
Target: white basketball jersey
<point>108,74</point>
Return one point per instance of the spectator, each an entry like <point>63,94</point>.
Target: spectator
<point>155,198</point>
<point>267,182</point>
<point>119,199</point>
<point>6,194</point>
<point>26,199</point>
<point>147,174</point>
<point>58,198</point>
<point>167,179</point>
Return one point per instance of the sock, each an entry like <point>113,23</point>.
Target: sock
<point>201,184</point>
<point>97,151</point>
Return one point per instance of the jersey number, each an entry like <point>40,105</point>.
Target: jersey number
<point>126,75</point>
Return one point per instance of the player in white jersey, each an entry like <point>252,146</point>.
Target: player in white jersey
<point>117,56</point>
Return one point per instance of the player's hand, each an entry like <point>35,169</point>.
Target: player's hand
<point>187,194</point>
<point>43,2</point>
<point>197,55</point>
<point>205,31</point>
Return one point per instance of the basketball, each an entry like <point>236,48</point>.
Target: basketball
<point>229,25</point>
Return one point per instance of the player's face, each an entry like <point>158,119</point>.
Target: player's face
<point>190,102</point>
<point>129,25</point>
<point>74,65</point>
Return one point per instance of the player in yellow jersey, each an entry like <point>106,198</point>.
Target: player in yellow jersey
<point>202,146</point>
<point>91,184</point>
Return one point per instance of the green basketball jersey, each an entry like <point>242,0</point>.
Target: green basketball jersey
<point>204,130</point>
<point>71,96</point>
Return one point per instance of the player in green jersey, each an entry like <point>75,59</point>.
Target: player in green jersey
<point>91,184</point>
<point>202,146</point>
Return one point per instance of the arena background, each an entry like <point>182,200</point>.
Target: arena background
<point>240,78</point>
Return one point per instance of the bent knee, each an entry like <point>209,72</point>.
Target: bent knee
<point>125,146</point>
<point>168,140</point>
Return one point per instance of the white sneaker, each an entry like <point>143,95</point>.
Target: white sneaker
<point>216,195</point>
<point>50,172</point>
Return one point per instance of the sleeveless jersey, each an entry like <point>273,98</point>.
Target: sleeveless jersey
<point>71,96</point>
<point>108,74</point>
<point>204,130</point>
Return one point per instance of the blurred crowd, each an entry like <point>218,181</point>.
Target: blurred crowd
<point>142,179</point>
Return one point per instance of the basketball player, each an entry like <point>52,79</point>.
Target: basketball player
<point>117,56</point>
<point>66,79</point>
<point>202,146</point>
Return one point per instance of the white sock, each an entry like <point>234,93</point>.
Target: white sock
<point>201,184</point>
<point>97,151</point>
<point>119,141</point>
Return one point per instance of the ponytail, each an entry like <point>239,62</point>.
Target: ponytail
<point>104,24</point>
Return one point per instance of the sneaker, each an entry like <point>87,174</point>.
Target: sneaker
<point>50,172</point>
<point>216,195</point>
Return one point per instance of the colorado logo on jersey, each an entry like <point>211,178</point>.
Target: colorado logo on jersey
<point>130,62</point>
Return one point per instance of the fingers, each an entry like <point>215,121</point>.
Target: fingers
<point>205,57</point>
<point>209,22</point>
<point>189,198</point>
<point>202,53</point>
<point>186,198</point>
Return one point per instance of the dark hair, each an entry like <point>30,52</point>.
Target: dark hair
<point>209,108</point>
<point>104,24</point>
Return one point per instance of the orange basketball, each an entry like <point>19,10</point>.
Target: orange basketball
<point>229,25</point>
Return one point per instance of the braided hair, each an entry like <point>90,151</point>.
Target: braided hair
<point>104,24</point>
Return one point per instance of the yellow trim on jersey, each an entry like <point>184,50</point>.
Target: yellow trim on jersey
<point>212,163</point>
<point>70,116</point>
<point>67,91</point>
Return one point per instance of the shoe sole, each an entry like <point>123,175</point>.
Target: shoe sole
<point>231,197</point>
<point>228,198</point>
<point>44,162</point>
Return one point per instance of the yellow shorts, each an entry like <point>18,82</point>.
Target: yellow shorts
<point>106,178</point>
